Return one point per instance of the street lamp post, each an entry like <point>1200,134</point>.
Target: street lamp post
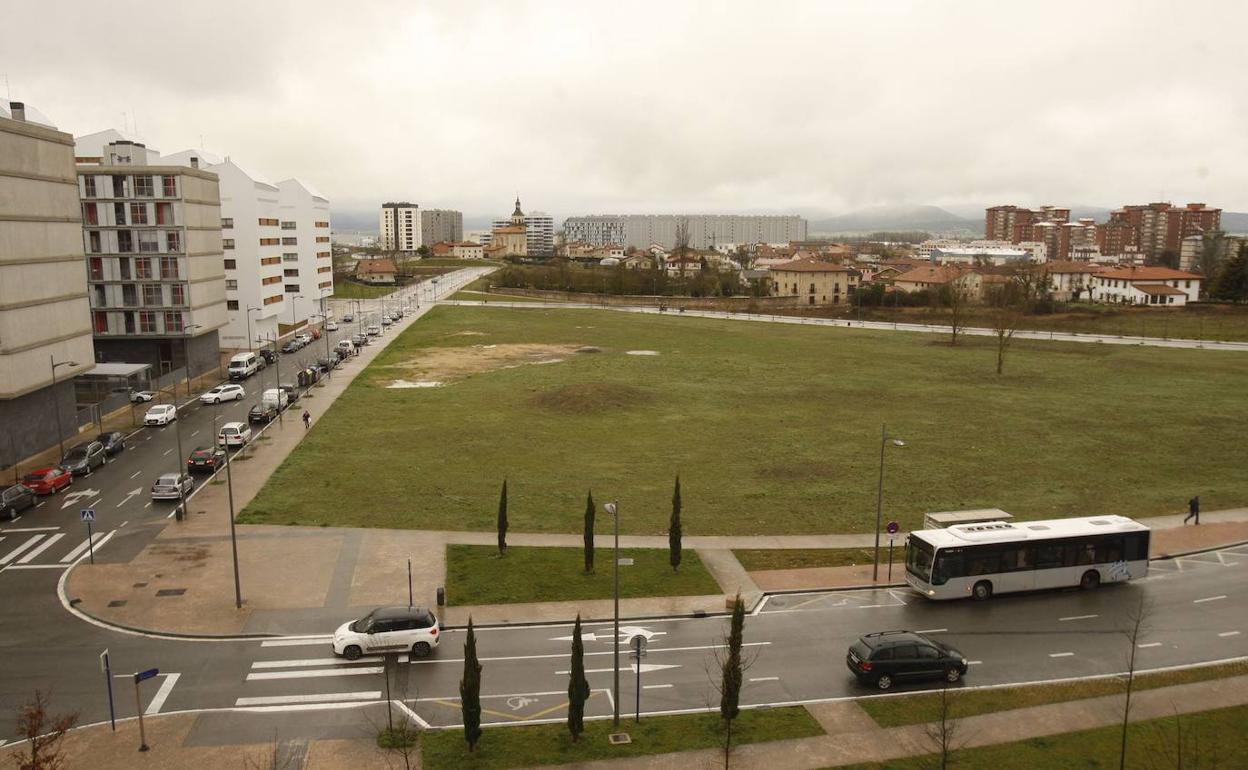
<point>180,512</point>
<point>292,310</point>
<point>885,440</point>
<point>229,485</point>
<point>325,333</point>
<point>613,508</point>
<point>250,310</point>
<point>186,360</point>
<point>277,372</point>
<point>56,402</point>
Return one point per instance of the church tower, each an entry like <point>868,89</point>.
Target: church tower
<point>517,216</point>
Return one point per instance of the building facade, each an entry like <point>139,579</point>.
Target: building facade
<point>305,223</point>
<point>155,261</point>
<point>1014,223</point>
<point>1146,286</point>
<point>440,225</point>
<point>398,227</point>
<point>509,238</point>
<point>44,311</point>
<point>1156,228</point>
<point>705,230</point>
<point>817,283</point>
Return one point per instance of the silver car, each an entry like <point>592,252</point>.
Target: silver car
<point>167,486</point>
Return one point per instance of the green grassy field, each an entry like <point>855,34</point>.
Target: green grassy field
<point>531,745</point>
<point>1215,739</point>
<point>773,428</point>
<point>476,574</point>
<point>349,290</point>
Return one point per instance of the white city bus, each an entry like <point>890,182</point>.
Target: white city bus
<point>979,560</point>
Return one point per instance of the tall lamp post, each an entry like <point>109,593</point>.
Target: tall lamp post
<point>292,310</point>
<point>325,333</point>
<point>229,482</point>
<point>186,361</point>
<point>56,402</point>
<point>277,372</point>
<point>613,508</point>
<point>250,310</point>
<point>885,440</point>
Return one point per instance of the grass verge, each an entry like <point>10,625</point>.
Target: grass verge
<point>349,290</point>
<point>924,707</point>
<point>805,558</point>
<point>527,746</point>
<point>1206,739</point>
<point>476,574</point>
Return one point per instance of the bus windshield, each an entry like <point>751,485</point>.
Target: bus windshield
<point>919,558</point>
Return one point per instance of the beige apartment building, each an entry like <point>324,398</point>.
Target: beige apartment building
<point>44,318</point>
<point>817,283</point>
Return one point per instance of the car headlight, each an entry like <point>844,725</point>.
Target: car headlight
<point>965,661</point>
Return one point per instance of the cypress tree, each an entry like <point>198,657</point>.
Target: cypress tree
<point>589,533</point>
<point>673,531</point>
<point>730,686</point>
<point>502,520</point>
<point>578,685</point>
<point>470,690</point>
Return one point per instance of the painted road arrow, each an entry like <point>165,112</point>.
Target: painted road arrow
<point>626,632</point>
<point>130,494</point>
<point>83,494</point>
<point>645,668</point>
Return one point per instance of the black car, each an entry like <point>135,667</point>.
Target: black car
<point>113,442</point>
<point>292,392</point>
<point>888,657</point>
<point>84,458</point>
<point>348,318</point>
<point>268,355</point>
<point>205,459</point>
<point>16,499</point>
<point>360,340</point>
<point>262,413</point>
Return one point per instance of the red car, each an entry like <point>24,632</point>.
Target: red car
<point>48,481</point>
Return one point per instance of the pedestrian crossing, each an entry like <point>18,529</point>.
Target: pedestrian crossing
<point>45,547</point>
<point>290,683</point>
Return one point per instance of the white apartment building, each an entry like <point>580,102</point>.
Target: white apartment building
<point>705,230</point>
<point>44,313</point>
<point>305,224</point>
<point>539,229</point>
<point>398,227</point>
<point>1146,286</point>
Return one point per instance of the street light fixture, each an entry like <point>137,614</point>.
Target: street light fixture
<point>56,402</point>
<point>885,440</point>
<point>613,508</point>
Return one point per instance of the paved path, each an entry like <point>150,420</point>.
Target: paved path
<point>974,331</point>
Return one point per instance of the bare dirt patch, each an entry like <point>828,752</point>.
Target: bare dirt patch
<point>587,398</point>
<point>446,365</point>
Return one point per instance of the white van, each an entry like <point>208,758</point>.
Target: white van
<point>346,347</point>
<point>275,396</point>
<point>244,365</point>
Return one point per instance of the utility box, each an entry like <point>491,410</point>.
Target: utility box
<point>943,519</point>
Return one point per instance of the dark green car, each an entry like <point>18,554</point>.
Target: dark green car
<point>885,658</point>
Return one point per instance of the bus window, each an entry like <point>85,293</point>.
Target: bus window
<point>982,561</point>
<point>1049,555</point>
<point>948,565</point>
<point>1109,549</point>
<point>1081,553</point>
<point>1015,558</point>
<point>1137,546</point>
<point>919,558</point>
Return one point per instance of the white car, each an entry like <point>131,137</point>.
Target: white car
<point>303,339</point>
<point>233,434</point>
<point>161,414</point>
<point>373,330</point>
<point>141,396</point>
<point>221,393</point>
<point>388,629</point>
<point>331,327</point>
<point>167,486</point>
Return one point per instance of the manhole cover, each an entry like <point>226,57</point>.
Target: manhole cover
<point>171,592</point>
<point>618,739</point>
<point>117,603</point>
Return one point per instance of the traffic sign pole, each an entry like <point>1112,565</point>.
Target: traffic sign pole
<point>893,529</point>
<point>108,679</point>
<point>138,703</point>
<point>88,516</point>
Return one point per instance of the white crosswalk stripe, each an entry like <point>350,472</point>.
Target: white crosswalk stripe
<point>11,555</point>
<point>325,697</point>
<point>315,673</point>
<point>98,537</point>
<point>31,556</point>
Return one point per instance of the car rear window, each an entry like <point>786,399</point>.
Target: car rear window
<point>34,478</point>
<point>884,653</point>
<point>861,649</point>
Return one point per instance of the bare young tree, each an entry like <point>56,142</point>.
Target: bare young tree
<point>1010,303</point>
<point>943,732</point>
<point>274,757</point>
<point>681,249</point>
<point>955,295</point>
<point>729,674</point>
<point>399,738</point>
<point>1134,624</point>
<point>43,733</point>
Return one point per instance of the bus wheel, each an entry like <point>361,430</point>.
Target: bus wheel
<point>1090,580</point>
<point>982,591</point>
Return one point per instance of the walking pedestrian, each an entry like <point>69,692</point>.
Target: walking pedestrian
<point>307,419</point>
<point>1193,510</point>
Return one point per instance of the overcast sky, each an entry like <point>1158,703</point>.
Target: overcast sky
<point>596,107</point>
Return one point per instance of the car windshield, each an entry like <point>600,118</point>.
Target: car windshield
<point>919,557</point>
<point>77,453</point>
<point>362,625</point>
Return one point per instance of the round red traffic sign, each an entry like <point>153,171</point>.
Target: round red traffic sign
<point>893,527</point>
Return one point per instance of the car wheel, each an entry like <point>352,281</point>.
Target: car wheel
<point>982,591</point>
<point>884,682</point>
<point>13,515</point>
<point>1090,580</point>
<point>421,649</point>
<point>952,675</point>
<point>352,652</point>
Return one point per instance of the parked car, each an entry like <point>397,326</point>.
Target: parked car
<point>114,443</point>
<point>229,392</point>
<point>233,434</point>
<point>888,657</point>
<point>348,318</point>
<point>360,340</point>
<point>303,338</point>
<point>268,355</point>
<point>47,481</point>
<point>331,326</point>
<point>172,486</point>
<point>161,414</point>
<point>372,330</point>
<point>345,348</point>
<point>385,320</point>
<point>292,392</point>
<point>316,334</point>
<point>141,396</point>
<point>263,413</point>
<point>388,629</point>
<point>291,346</point>
<point>84,458</point>
<point>204,458</point>
<point>16,499</point>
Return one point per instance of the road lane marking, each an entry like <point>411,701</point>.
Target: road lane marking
<point>36,566</point>
<point>135,474</point>
<point>277,700</point>
<point>305,662</point>
<point>764,679</point>
<point>932,631</point>
<point>28,529</point>
<point>74,554</point>
<point>315,673</point>
<point>122,524</point>
<point>28,558</point>
<point>149,504</point>
<point>296,641</point>
<point>1208,599</point>
<point>1078,617</point>
<point>1060,654</point>
<point>660,686</point>
<point>11,555</point>
<point>166,687</point>
<point>167,453</point>
<point>565,655</point>
<point>1229,633</point>
<point>196,433</point>
<point>974,662</point>
<point>1149,644</point>
<point>412,715</point>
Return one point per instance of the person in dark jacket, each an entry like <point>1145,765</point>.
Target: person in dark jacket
<point>1193,510</point>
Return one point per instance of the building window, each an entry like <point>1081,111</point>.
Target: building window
<point>229,264</point>
<point>270,260</point>
<point>148,242</point>
<point>288,225</point>
<point>93,238</point>
<point>142,268</point>
<point>269,241</point>
<point>322,224</point>
<point>125,241</point>
<point>164,213</point>
<point>231,304</point>
<point>147,322</point>
<point>173,321</point>
<point>119,186</point>
<point>143,187</point>
<point>168,267</point>
<point>169,185</point>
<point>89,215</point>
<point>290,241</point>
<point>138,213</point>
<point>123,268</point>
<point>119,213</point>
<point>231,284</point>
<point>88,186</point>
<point>95,268</point>
<point>267,222</point>
<point>291,272</point>
<point>324,269</point>
<point>292,288</point>
<point>152,294</point>
<point>325,285</point>
<point>129,295</point>
<point>227,223</point>
<point>99,323</point>
<point>273,300</point>
<point>227,243</point>
<point>173,242</point>
<point>288,257</point>
<point>269,280</point>
<point>322,239</point>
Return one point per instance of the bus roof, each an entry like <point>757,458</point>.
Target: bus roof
<point>1005,532</point>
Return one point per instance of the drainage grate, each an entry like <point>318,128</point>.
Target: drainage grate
<point>140,585</point>
<point>171,592</point>
<point>618,739</point>
<point>117,603</point>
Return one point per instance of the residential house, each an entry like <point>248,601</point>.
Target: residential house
<point>639,261</point>
<point>936,277</point>
<point>819,283</point>
<point>441,250</point>
<point>1146,286</point>
<point>1071,280</point>
<point>467,250</point>
<point>376,271</point>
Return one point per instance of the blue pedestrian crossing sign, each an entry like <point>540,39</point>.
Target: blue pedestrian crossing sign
<point>148,674</point>
<point>87,514</point>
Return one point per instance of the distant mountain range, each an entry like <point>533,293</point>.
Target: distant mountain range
<point>929,218</point>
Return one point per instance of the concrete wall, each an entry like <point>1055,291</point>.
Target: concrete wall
<point>30,423</point>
